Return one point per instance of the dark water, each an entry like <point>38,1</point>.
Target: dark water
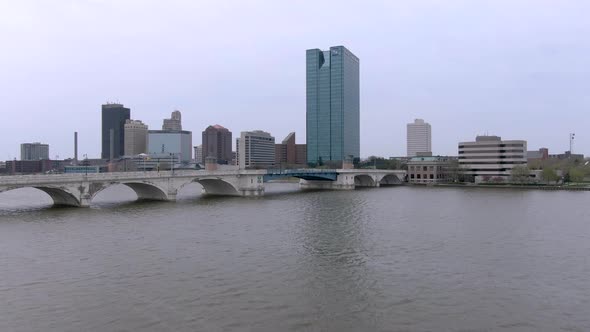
<point>387,259</point>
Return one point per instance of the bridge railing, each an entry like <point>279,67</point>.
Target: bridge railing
<point>300,171</point>
<point>116,176</point>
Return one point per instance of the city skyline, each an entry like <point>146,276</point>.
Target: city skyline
<point>523,79</point>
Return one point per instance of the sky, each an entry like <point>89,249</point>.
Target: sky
<point>519,69</point>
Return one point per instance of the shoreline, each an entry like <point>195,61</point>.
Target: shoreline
<point>507,186</point>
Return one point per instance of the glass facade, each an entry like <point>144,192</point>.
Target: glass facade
<point>333,103</point>
<point>114,117</point>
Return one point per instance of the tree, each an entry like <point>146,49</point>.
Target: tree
<point>576,174</point>
<point>520,174</point>
<point>549,175</point>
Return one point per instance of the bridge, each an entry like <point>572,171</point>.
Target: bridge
<point>79,189</point>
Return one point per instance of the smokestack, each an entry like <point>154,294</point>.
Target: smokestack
<point>75,148</point>
<point>112,136</point>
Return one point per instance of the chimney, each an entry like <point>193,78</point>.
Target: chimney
<point>75,148</point>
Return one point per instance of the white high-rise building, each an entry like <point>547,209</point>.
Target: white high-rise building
<point>255,149</point>
<point>419,137</point>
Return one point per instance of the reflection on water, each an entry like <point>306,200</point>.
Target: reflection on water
<point>387,259</point>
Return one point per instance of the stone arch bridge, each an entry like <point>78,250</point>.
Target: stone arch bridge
<point>79,189</point>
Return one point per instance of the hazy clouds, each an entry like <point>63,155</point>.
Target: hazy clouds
<point>519,69</point>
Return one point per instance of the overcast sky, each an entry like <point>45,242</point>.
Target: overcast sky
<point>515,68</point>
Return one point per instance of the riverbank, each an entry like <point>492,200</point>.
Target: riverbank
<point>511,186</point>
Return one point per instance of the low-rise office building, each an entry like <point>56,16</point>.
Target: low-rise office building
<point>429,169</point>
<point>489,157</point>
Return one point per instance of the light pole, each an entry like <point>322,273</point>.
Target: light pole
<point>86,164</point>
<point>572,136</point>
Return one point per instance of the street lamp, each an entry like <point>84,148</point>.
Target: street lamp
<point>86,164</point>
<point>143,155</point>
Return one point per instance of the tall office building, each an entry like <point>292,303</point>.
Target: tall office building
<point>114,117</point>
<point>174,123</point>
<point>255,149</point>
<point>136,137</point>
<point>419,137</point>
<point>333,119</point>
<point>34,151</point>
<point>217,142</point>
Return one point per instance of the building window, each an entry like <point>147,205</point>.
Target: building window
<point>425,168</point>
<point>418,176</point>
<point>411,176</point>
<point>432,176</point>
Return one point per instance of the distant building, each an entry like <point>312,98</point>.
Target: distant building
<point>2,167</point>
<point>114,117</point>
<point>174,123</point>
<point>217,142</point>
<point>199,154</point>
<point>567,155</point>
<point>36,166</point>
<point>419,137</point>
<point>177,143</point>
<point>428,169</point>
<point>34,151</point>
<point>136,137</point>
<point>81,169</point>
<point>490,157</point>
<point>333,105</point>
<point>541,154</point>
<point>255,149</point>
<point>290,153</point>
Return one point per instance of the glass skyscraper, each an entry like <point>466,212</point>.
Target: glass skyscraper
<point>114,117</point>
<point>333,120</point>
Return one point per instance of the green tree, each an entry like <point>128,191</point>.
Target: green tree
<point>520,174</point>
<point>549,175</point>
<point>576,174</point>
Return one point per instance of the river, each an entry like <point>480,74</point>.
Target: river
<point>382,259</point>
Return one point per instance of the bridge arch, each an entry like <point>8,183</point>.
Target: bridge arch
<point>214,186</point>
<point>143,190</point>
<point>60,196</point>
<point>364,180</point>
<point>390,179</point>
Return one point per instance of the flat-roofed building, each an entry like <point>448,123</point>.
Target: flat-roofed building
<point>199,154</point>
<point>176,143</point>
<point>419,137</point>
<point>255,149</point>
<point>136,137</point>
<point>491,157</point>
<point>429,169</point>
<point>289,153</point>
<point>34,151</point>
